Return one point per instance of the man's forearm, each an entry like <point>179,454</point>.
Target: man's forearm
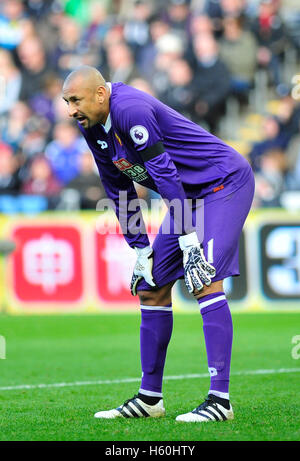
<point>166,178</point>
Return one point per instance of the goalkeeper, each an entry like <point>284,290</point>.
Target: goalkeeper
<point>136,138</point>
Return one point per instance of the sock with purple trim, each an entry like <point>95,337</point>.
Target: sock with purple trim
<point>155,333</point>
<point>218,333</point>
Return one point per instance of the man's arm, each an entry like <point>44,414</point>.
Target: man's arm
<point>140,123</point>
<point>120,189</point>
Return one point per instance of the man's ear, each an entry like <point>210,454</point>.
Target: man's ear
<point>101,94</point>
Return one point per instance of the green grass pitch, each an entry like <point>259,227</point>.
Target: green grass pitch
<point>73,349</point>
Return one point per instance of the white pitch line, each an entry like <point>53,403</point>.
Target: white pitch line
<point>134,380</point>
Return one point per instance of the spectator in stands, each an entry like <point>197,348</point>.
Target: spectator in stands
<point>271,139</point>
<point>115,35</point>
<point>11,16</point>
<point>212,80</point>
<point>15,125</point>
<point>36,136</point>
<point>233,8</point>
<point>289,115</point>
<point>214,11</point>
<point>278,130</point>
<point>42,102</point>
<point>41,181</point>
<point>238,50</point>
<point>218,10</point>
<point>136,29</point>
<point>34,66</point>
<point>121,63</point>
<point>178,16</point>
<point>64,152</point>
<point>39,9</point>
<point>71,51</point>
<point>180,93</point>
<point>46,20</point>
<point>170,48</point>
<point>292,180</point>
<point>269,181</point>
<point>87,183</point>
<point>9,178</point>
<point>98,26</point>
<point>201,24</point>
<point>147,56</point>
<point>10,82</point>
<point>271,35</point>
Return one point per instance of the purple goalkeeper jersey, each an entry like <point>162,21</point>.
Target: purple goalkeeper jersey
<point>147,142</point>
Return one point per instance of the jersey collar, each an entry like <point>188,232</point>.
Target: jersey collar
<point>107,125</point>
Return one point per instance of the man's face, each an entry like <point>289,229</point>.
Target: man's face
<point>84,104</point>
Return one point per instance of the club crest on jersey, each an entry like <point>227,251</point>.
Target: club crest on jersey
<point>139,134</point>
<point>135,172</point>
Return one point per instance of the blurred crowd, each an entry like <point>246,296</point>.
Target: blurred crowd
<point>194,55</point>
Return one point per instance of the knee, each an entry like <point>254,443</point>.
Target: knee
<point>215,287</point>
<point>161,297</point>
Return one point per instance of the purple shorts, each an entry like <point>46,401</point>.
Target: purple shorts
<point>223,223</point>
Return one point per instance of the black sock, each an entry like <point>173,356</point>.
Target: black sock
<point>150,400</point>
<point>224,402</point>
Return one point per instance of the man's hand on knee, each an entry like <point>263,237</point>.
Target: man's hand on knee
<point>197,271</point>
<point>142,268</point>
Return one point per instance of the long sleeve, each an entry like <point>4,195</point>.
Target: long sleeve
<point>165,175</point>
<point>120,189</point>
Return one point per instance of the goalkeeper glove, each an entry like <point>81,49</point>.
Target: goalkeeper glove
<point>197,271</point>
<point>142,268</point>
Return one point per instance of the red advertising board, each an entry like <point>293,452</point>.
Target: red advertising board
<point>114,264</point>
<point>47,264</point>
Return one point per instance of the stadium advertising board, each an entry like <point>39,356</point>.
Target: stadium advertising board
<point>47,266</point>
<point>81,264</point>
<point>280,261</point>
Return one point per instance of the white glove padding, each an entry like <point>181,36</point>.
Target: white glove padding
<point>142,268</point>
<point>197,271</point>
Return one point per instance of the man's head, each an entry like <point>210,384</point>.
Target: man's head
<point>87,95</point>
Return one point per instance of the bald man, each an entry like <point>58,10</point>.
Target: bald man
<point>137,139</point>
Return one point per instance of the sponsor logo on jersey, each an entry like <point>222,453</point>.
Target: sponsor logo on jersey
<point>139,134</point>
<point>135,172</point>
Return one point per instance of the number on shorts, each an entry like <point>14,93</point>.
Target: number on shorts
<point>210,255</point>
